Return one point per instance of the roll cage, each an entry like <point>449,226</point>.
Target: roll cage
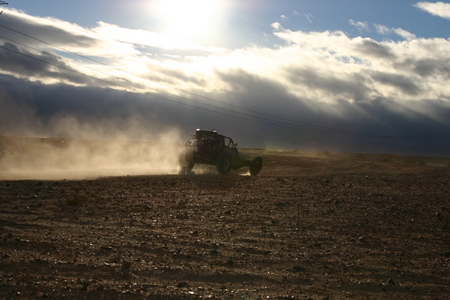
<point>208,145</point>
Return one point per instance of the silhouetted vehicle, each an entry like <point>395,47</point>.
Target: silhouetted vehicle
<point>209,147</point>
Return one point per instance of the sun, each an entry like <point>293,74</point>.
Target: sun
<point>192,19</point>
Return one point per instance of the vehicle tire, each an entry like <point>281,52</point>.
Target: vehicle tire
<point>186,160</point>
<point>255,166</point>
<point>224,163</point>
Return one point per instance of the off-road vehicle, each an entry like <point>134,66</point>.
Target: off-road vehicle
<point>209,147</point>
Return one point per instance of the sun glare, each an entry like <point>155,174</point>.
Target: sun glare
<point>192,19</point>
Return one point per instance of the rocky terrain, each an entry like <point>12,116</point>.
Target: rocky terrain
<point>310,226</point>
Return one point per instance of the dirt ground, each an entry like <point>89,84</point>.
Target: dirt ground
<point>310,226</point>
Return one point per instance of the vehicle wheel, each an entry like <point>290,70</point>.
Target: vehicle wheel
<point>224,163</point>
<point>189,166</point>
<point>256,165</point>
<point>186,160</point>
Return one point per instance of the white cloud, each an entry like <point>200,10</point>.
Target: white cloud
<point>142,37</point>
<point>284,18</point>
<point>439,9</point>
<point>404,34</point>
<point>383,30</point>
<point>406,71</point>
<point>67,36</point>
<point>276,26</point>
<point>359,25</point>
<point>103,40</point>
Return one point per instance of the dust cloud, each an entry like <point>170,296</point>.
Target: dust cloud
<point>83,145</point>
<point>69,158</point>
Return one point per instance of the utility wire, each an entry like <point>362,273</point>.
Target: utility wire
<point>2,3</point>
<point>193,94</point>
<point>324,129</point>
<point>293,124</point>
<point>57,57</point>
<point>152,94</point>
<point>58,66</point>
<point>267,122</point>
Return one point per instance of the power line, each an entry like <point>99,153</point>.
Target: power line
<point>257,119</point>
<point>55,65</point>
<point>286,123</point>
<point>2,3</point>
<point>58,57</point>
<point>196,95</point>
<point>152,94</point>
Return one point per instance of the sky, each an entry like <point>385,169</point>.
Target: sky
<point>349,76</point>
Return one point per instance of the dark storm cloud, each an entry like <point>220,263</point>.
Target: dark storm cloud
<point>252,84</point>
<point>69,111</point>
<point>259,94</point>
<point>406,85</point>
<point>42,65</point>
<point>373,48</point>
<point>24,63</point>
<point>172,76</point>
<point>427,67</point>
<point>352,88</point>
<point>23,28</point>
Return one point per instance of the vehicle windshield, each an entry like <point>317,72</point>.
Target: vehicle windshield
<point>229,142</point>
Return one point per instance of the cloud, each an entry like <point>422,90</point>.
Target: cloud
<point>383,30</point>
<point>351,87</point>
<point>439,9</point>
<point>405,34</point>
<point>404,84</point>
<point>276,26</point>
<point>359,25</point>
<point>195,70</point>
<point>152,39</point>
<point>52,51</point>
<point>369,47</point>
<point>49,33</point>
<point>38,66</point>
